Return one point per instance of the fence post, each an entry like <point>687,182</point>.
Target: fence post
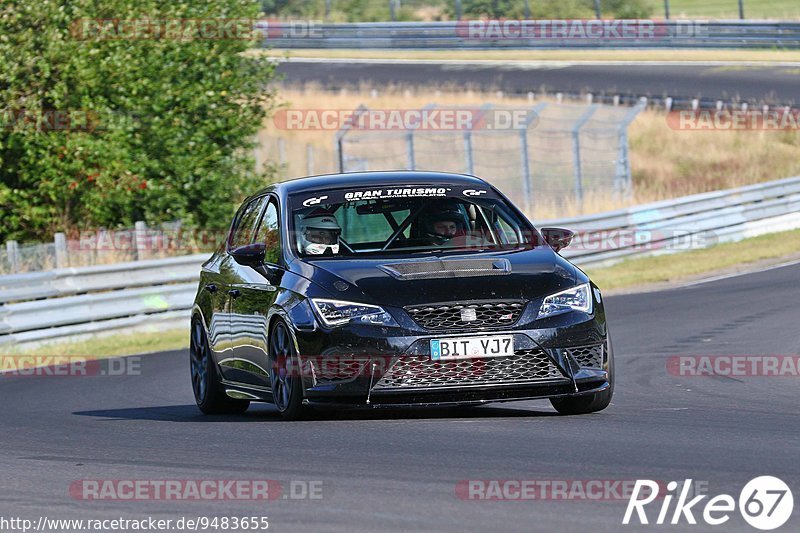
<point>411,160</point>
<point>527,179</point>
<point>309,160</point>
<point>741,9</point>
<point>597,13</point>
<point>343,131</point>
<point>666,9</point>
<point>12,250</point>
<point>60,241</point>
<point>458,10</point>
<point>576,152</point>
<point>140,238</point>
<point>339,153</point>
<point>281,151</point>
<point>526,172</point>
<point>468,152</point>
<point>622,180</point>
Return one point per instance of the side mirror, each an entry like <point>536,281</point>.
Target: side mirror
<point>557,238</point>
<point>251,255</point>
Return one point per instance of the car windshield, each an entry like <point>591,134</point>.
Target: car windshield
<point>414,219</point>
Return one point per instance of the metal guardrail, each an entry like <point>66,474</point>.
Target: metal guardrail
<point>71,301</point>
<point>47,305</point>
<point>687,223</point>
<point>511,34</point>
<point>70,281</point>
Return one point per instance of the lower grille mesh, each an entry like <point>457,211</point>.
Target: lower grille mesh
<point>334,370</point>
<point>420,371</point>
<point>588,356</point>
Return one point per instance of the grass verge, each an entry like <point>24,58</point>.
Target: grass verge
<point>684,266</point>
<point>109,345</point>
<point>765,56</point>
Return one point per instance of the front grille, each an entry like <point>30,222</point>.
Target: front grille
<point>588,356</point>
<point>420,371</point>
<point>442,317</point>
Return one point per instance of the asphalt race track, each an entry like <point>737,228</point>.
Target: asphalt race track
<point>398,470</point>
<point>727,83</point>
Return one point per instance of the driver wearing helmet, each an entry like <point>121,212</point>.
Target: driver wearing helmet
<point>318,235</point>
<point>444,224</point>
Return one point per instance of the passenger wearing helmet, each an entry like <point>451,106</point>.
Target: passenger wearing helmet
<point>444,223</point>
<point>318,235</point>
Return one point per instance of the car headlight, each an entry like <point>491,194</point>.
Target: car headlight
<point>338,312</point>
<point>578,298</point>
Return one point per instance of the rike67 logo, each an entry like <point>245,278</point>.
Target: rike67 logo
<point>765,503</point>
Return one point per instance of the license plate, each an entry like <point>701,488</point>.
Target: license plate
<point>472,347</point>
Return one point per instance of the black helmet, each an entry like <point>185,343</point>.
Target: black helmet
<point>443,213</point>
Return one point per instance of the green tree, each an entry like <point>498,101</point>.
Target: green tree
<point>171,116</point>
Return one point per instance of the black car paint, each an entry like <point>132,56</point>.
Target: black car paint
<point>238,305</point>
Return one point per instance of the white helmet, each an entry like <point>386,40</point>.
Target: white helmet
<point>316,234</point>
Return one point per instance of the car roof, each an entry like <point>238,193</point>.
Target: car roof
<point>372,178</point>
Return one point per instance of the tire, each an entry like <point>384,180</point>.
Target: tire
<point>284,374</point>
<point>208,391</point>
<point>589,403</point>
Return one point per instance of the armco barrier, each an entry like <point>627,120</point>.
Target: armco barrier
<point>48,305</point>
<point>543,34</point>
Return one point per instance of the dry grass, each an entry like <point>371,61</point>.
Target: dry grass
<point>697,263</point>
<point>101,346</point>
<point>666,163</point>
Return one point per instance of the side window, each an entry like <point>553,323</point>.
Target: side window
<point>245,225</point>
<point>269,233</point>
<point>510,236</point>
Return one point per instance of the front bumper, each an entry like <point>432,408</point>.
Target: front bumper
<point>461,396</point>
<point>376,366</point>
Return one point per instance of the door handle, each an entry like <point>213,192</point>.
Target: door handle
<point>235,293</point>
<point>211,288</point>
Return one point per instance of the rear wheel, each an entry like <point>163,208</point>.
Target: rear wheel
<point>284,374</point>
<point>208,391</point>
<point>590,403</point>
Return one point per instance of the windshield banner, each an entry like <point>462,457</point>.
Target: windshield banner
<point>339,196</point>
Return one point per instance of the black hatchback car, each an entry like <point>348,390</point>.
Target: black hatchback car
<point>394,289</point>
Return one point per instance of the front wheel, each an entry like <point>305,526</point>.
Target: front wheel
<point>284,374</point>
<point>208,392</point>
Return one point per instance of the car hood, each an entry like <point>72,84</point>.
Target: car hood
<point>521,274</point>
